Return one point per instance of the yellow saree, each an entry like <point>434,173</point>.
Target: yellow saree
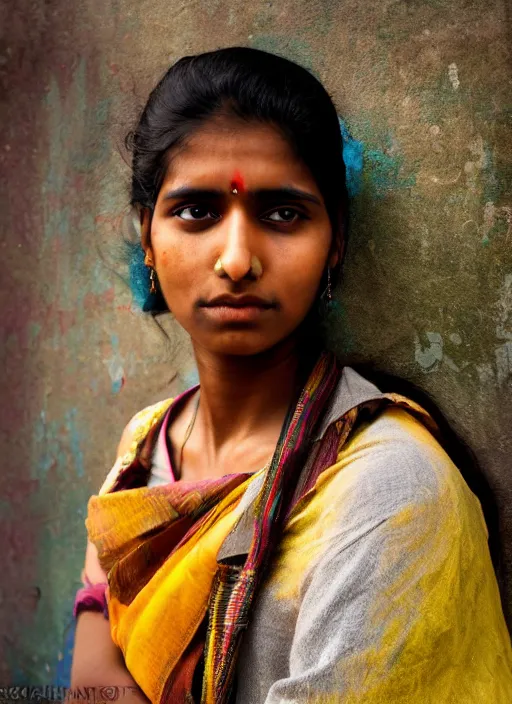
<point>177,598</point>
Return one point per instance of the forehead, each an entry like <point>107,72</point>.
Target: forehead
<point>221,149</point>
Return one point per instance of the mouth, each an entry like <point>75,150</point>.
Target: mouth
<point>237,309</point>
<point>229,301</point>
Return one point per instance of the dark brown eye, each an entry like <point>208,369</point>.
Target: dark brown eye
<point>284,215</point>
<point>193,213</point>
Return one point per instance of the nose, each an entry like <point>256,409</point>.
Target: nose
<point>236,251</point>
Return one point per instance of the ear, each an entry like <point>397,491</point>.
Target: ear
<point>337,249</point>
<point>334,258</point>
<point>145,236</point>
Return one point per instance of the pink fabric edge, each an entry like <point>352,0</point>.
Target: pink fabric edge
<point>162,436</point>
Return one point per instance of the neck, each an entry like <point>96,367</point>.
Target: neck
<point>245,396</point>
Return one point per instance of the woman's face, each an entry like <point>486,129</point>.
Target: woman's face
<point>278,216</point>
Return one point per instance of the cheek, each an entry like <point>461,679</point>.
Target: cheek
<point>171,268</point>
<point>169,265</point>
<point>180,272</point>
<point>170,260</point>
<point>299,273</point>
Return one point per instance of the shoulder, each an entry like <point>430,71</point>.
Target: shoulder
<point>135,431</point>
<point>140,424</point>
<point>392,494</point>
<point>393,466</point>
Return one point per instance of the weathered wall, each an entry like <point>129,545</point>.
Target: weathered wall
<point>427,291</point>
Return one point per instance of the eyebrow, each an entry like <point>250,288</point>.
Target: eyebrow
<point>285,193</point>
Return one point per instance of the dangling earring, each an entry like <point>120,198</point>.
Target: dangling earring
<point>152,281</point>
<point>328,306</point>
<point>329,289</point>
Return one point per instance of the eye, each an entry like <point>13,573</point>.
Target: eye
<point>194,213</point>
<point>285,215</point>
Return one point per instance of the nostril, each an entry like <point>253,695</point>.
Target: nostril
<point>237,267</point>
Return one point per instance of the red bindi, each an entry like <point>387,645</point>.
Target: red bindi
<point>237,182</point>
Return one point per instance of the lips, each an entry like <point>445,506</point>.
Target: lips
<point>236,310</point>
<point>229,301</point>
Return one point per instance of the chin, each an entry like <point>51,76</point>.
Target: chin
<point>241,348</point>
<point>241,344</point>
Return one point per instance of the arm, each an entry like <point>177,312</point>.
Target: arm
<point>402,604</point>
<point>97,660</point>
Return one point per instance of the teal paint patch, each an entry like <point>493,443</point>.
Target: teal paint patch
<point>56,221</point>
<point>61,549</point>
<point>83,154</point>
<point>115,366</point>
<point>138,275</point>
<point>34,330</point>
<point>75,440</point>
<point>101,111</point>
<point>85,158</point>
<point>140,283</point>
<point>99,281</point>
<point>384,173</point>
<point>62,666</point>
<point>117,385</point>
<point>190,378</point>
<point>353,157</point>
<point>57,441</point>
<point>18,674</point>
<point>58,132</point>
<point>374,162</point>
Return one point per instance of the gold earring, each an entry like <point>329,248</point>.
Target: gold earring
<point>152,281</point>
<point>256,267</point>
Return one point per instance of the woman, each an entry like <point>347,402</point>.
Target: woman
<point>283,532</point>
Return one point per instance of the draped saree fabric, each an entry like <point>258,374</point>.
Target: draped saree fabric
<point>178,601</point>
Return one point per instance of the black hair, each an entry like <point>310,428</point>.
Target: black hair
<point>252,85</point>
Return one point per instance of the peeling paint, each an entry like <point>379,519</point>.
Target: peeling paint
<point>496,221</point>
<point>503,363</point>
<point>115,366</point>
<point>504,308</point>
<point>473,167</point>
<point>453,75</point>
<point>428,357</point>
<point>58,445</point>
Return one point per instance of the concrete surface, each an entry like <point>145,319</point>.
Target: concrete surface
<point>427,290</point>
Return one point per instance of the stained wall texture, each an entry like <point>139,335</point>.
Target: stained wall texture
<point>427,291</point>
